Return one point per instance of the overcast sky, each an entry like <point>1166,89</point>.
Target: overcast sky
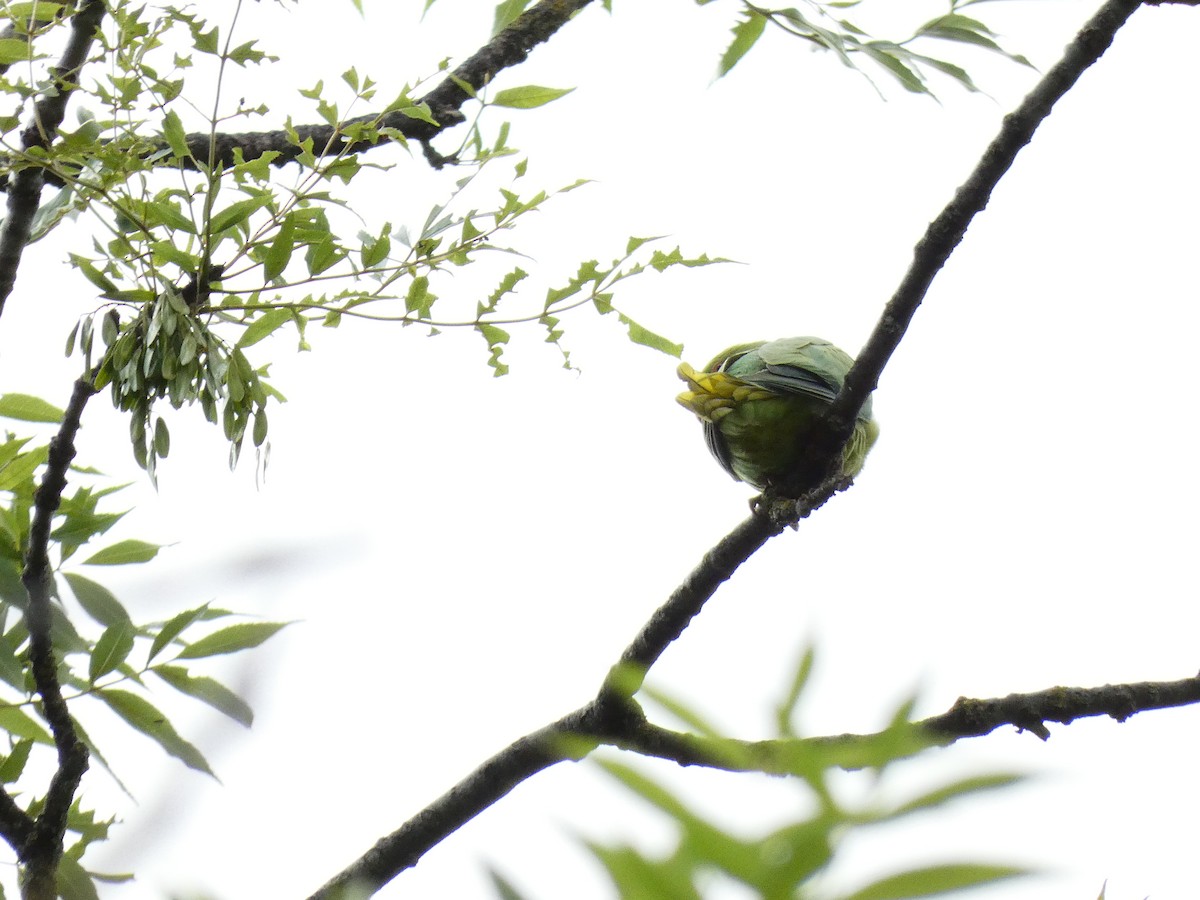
<point>464,556</point>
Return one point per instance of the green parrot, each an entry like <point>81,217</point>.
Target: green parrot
<point>759,401</point>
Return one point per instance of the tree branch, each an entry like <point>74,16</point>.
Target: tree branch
<point>25,186</point>
<point>966,718</point>
<point>42,847</point>
<point>947,230</point>
<point>508,48</point>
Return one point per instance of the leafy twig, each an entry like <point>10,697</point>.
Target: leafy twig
<point>508,48</point>
<point>966,718</point>
<point>24,187</point>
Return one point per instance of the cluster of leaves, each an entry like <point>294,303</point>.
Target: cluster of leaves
<point>823,26</point>
<point>785,862</point>
<point>106,658</point>
<point>203,260</point>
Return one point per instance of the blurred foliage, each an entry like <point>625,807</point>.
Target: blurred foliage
<point>785,861</point>
<point>108,662</point>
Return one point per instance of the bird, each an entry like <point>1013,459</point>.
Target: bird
<point>759,404</point>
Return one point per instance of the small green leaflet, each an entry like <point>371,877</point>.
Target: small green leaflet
<point>112,649</point>
<point>207,690</point>
<point>263,326</point>
<point>119,554</point>
<point>528,96</point>
<point>97,601</point>
<point>232,639</point>
<point>146,718</point>
<point>28,408</point>
<point>745,35</point>
<point>16,722</point>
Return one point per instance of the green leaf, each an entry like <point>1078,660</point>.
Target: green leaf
<point>894,67</point>
<point>279,254</point>
<point>208,691</point>
<point>496,338</point>
<point>232,639</point>
<point>948,792</point>
<point>934,880</point>
<point>28,409</point>
<point>13,50</point>
<point>507,12</point>
<point>263,326</point>
<point>20,724</point>
<point>745,34</point>
<point>20,470</point>
<point>94,275</point>
<point>97,601</point>
<point>528,96</point>
<point>236,214</point>
<point>175,135</point>
<point>647,338</point>
<point>112,649</point>
<point>74,881</point>
<point>123,552</point>
<point>174,627</point>
<point>14,763</point>
<point>146,718</point>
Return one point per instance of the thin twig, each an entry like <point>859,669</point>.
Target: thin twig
<point>966,718</point>
<point>42,848</point>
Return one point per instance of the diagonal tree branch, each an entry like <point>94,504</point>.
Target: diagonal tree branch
<point>948,229</point>
<point>43,845</point>
<point>508,48</point>
<point>613,717</point>
<point>25,186</point>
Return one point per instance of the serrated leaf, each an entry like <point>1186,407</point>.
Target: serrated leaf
<point>647,338</point>
<point>123,552</point>
<point>746,33</point>
<point>207,690</point>
<point>28,408</point>
<point>142,715</point>
<point>242,636</point>
<point>528,96</point>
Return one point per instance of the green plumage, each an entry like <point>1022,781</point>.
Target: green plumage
<point>758,403</point>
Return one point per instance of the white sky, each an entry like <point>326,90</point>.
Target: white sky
<point>465,556</point>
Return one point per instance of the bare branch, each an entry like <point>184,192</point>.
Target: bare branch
<point>25,186</point>
<point>684,604</point>
<point>404,847</point>
<point>43,845</point>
